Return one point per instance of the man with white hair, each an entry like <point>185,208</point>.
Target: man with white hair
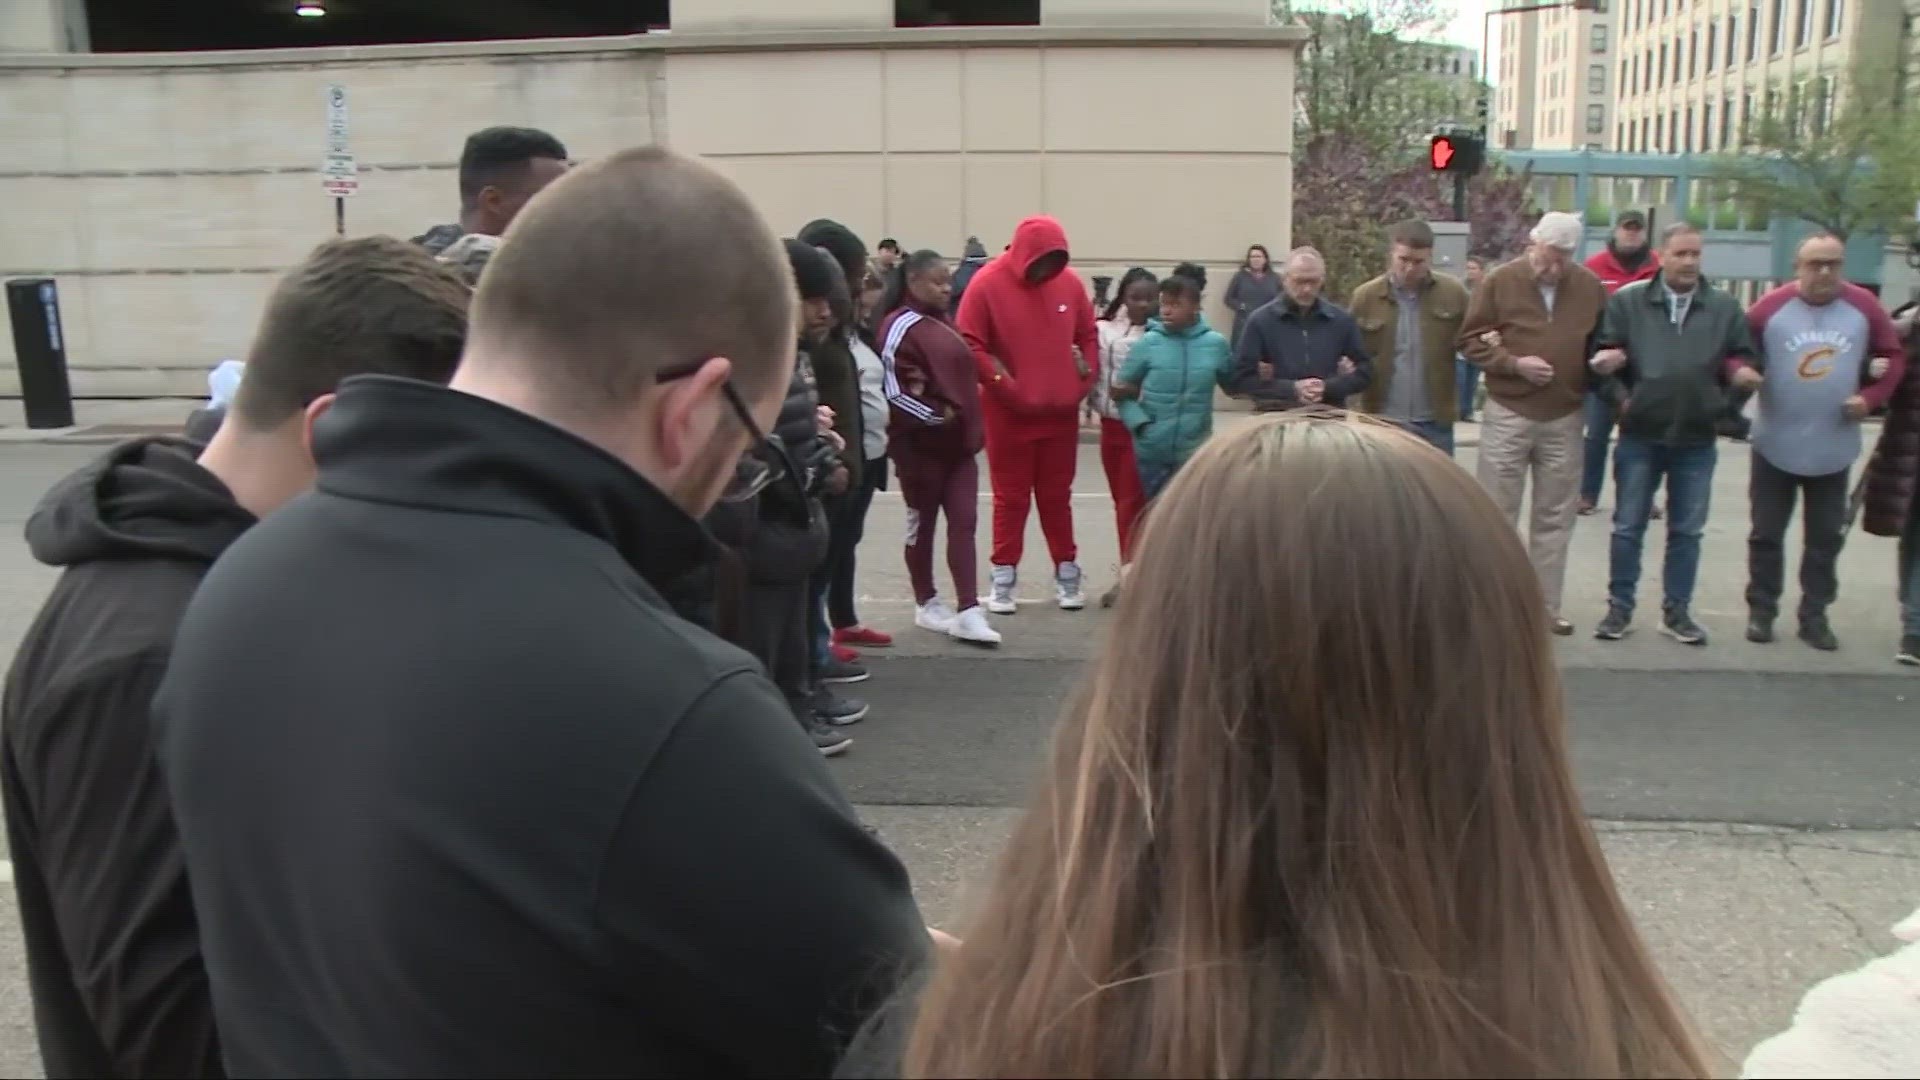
<point>1530,326</point>
<point>1301,349</point>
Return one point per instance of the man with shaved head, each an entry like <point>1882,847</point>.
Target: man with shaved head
<point>1530,327</point>
<point>1302,349</point>
<point>459,794</point>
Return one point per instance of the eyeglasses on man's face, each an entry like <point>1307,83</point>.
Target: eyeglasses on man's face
<point>765,461</point>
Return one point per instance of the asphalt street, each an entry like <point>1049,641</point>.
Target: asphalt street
<point>1760,805</point>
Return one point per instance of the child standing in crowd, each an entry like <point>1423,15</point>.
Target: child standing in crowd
<point>1124,323</point>
<point>1166,385</point>
<point>936,429</point>
<point>848,630</point>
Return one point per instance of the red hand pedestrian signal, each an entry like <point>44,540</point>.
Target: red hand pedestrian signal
<point>1442,152</point>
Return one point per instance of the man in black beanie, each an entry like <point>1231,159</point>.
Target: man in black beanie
<point>789,536</point>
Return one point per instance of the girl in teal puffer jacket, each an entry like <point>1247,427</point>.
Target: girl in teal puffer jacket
<point>1167,384</point>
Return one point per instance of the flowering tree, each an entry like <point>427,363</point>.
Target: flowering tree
<point>1346,196</point>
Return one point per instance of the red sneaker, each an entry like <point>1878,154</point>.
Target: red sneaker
<point>845,655</point>
<point>862,636</point>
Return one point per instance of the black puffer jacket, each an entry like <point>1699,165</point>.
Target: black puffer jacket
<point>790,536</point>
<point>837,376</point>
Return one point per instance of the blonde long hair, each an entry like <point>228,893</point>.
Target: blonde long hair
<point>1310,812</point>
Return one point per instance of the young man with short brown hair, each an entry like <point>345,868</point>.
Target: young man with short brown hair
<point>113,945</point>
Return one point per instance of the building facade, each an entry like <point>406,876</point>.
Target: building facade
<point>1555,90</point>
<point>165,192</point>
<point>1694,76</point>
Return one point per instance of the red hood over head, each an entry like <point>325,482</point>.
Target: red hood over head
<point>1034,239</point>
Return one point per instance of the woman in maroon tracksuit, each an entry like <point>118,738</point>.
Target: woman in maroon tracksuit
<point>934,436</point>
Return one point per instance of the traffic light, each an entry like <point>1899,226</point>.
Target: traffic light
<point>1455,151</point>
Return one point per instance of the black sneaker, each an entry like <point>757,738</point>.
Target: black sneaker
<point>1759,630</point>
<point>831,708</point>
<point>1818,633</point>
<point>830,741</point>
<point>1909,653</point>
<point>1614,626</point>
<point>1679,625</point>
<point>839,672</point>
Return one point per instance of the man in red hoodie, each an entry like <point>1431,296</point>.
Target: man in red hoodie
<point>1029,322</point>
<point>1627,258</point>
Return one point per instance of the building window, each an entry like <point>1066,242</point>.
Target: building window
<point>1686,138</point>
<point>1646,71</point>
<point>966,12</point>
<point>1726,123</point>
<point>1706,126</point>
<point>1597,38</point>
<point>1711,53</point>
<point>1596,119</point>
<point>1820,104</point>
<point>1693,55</point>
<point>1677,69</point>
<point>1645,142</point>
<point>1803,28</point>
<point>1733,39</point>
<point>1673,132</point>
<point>1597,79</point>
<point>1661,77</point>
<point>1753,32</point>
<point>1746,116</point>
<point>1777,28</point>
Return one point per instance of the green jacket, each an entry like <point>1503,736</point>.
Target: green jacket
<point>1674,387</point>
<point>1176,371</point>
<point>1443,304</point>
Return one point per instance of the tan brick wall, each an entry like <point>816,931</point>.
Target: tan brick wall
<point>166,196</point>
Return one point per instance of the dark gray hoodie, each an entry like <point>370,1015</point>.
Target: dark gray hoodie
<point>113,946</point>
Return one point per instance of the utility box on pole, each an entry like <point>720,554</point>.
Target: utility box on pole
<point>1451,244</point>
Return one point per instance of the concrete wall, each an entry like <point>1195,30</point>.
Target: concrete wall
<point>167,192</point>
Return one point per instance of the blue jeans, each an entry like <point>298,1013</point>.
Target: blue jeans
<point>1437,435</point>
<point>1154,476</point>
<point>1638,468</point>
<point>1593,471</point>
<point>1600,420</point>
<point>1910,573</point>
<point>1466,379</point>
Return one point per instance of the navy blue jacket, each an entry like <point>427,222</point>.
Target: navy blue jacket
<point>1300,345</point>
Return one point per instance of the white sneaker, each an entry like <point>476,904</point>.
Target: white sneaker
<point>1066,586</point>
<point>971,625</point>
<point>1001,601</point>
<point>935,615</point>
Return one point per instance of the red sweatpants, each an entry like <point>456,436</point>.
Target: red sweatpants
<point>929,485</point>
<point>1123,479</point>
<point>1032,464</point>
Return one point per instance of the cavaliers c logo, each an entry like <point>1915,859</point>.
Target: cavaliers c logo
<point>1818,362</point>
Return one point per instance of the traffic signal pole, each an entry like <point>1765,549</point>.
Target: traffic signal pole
<point>1459,196</point>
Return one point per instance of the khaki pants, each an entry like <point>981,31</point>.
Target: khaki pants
<point>1511,446</point>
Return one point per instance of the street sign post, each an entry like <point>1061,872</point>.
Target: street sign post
<point>339,173</point>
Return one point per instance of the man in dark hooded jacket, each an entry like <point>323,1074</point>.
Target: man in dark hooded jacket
<point>971,260</point>
<point>113,945</point>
